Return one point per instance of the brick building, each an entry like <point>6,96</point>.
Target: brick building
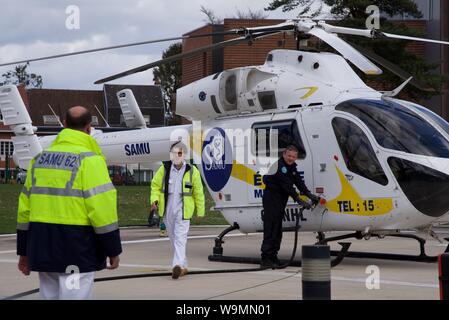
<point>444,51</point>
<point>41,103</point>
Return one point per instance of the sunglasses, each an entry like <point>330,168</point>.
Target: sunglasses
<point>179,153</point>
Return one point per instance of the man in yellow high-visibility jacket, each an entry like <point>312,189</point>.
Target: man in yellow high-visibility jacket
<point>177,191</point>
<point>67,216</point>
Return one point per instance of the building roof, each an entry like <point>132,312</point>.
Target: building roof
<point>149,99</point>
<point>60,101</point>
<point>146,96</point>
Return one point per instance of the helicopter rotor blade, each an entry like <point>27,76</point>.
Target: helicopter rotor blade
<point>397,36</point>
<point>346,51</point>
<point>393,68</point>
<point>188,54</point>
<point>285,26</point>
<point>230,32</point>
<point>373,33</point>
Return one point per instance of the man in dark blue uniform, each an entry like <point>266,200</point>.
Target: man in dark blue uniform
<point>279,185</point>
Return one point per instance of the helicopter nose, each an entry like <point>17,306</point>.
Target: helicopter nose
<point>426,188</point>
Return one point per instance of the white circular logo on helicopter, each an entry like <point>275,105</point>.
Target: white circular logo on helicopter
<point>217,159</point>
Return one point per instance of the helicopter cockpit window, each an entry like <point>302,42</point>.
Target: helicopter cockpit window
<point>357,151</point>
<point>396,127</point>
<point>286,132</point>
<point>433,116</point>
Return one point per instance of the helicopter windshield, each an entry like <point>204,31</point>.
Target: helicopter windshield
<point>425,187</point>
<point>397,127</point>
<point>440,122</point>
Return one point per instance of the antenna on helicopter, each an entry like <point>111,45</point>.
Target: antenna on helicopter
<point>56,116</point>
<point>395,92</point>
<point>102,117</point>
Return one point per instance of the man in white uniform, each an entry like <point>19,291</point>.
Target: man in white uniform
<point>178,185</point>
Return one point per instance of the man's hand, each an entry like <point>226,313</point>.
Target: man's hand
<point>315,199</point>
<point>153,206</point>
<point>23,265</point>
<point>303,204</point>
<point>113,262</point>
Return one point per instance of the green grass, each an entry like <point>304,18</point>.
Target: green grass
<point>9,198</point>
<point>133,207</point>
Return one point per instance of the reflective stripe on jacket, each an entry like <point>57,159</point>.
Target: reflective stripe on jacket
<point>67,211</point>
<point>192,190</point>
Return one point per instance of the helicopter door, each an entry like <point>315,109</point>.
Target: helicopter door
<point>271,138</point>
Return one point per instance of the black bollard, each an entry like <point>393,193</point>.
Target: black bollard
<point>443,268</point>
<point>316,272</point>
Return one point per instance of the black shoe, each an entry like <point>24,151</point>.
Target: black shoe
<point>276,262</point>
<point>267,263</point>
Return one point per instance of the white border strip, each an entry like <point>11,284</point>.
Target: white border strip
<point>191,237</point>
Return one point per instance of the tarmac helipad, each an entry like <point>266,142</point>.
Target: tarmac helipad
<point>145,252</point>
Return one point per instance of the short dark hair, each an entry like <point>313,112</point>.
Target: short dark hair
<point>78,122</point>
<point>292,147</point>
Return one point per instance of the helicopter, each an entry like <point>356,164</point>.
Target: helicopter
<point>381,163</point>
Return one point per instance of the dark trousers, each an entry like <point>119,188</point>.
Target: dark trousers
<point>274,210</point>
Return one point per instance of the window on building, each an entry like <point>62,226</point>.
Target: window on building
<point>94,120</point>
<point>6,148</point>
<point>285,132</point>
<point>51,119</point>
<point>357,151</point>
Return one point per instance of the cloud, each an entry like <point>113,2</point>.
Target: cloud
<point>37,28</point>
<point>79,72</point>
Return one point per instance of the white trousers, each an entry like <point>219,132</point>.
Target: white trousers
<point>177,230</point>
<point>63,286</point>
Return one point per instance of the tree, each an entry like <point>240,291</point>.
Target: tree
<point>352,14</point>
<point>168,75</point>
<point>250,14</point>
<point>348,8</point>
<point>211,17</point>
<point>288,5</point>
<point>239,14</point>
<point>20,75</point>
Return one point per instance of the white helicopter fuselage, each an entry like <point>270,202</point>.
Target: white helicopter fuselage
<point>298,94</point>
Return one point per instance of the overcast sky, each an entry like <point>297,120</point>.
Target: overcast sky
<point>33,29</point>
